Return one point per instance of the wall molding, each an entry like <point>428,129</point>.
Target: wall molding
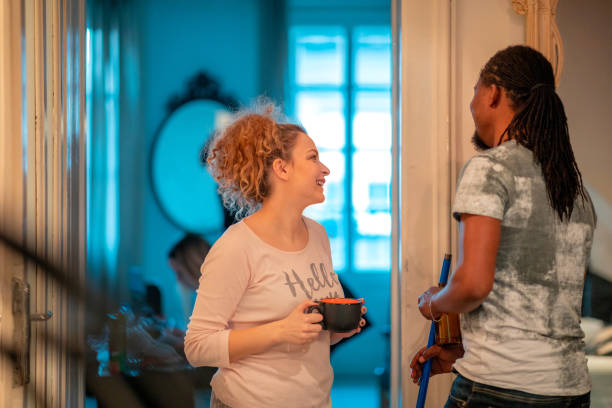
<point>425,174</point>
<point>541,31</point>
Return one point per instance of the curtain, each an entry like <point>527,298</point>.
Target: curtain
<point>112,111</point>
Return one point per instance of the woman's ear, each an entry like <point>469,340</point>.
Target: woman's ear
<point>280,168</point>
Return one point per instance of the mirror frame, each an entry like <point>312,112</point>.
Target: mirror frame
<point>201,86</point>
<point>541,31</point>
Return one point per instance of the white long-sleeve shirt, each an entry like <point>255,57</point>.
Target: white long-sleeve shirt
<point>245,283</point>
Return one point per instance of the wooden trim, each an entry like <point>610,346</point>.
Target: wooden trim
<point>395,385</point>
<point>11,186</point>
<point>541,31</point>
<point>454,133</point>
<point>426,172</point>
<point>43,190</point>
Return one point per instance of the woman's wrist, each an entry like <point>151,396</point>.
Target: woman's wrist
<point>245,342</point>
<point>276,332</point>
<point>334,338</point>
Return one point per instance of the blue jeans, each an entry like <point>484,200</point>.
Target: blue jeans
<point>469,394</point>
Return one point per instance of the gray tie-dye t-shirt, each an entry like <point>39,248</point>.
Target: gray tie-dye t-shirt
<point>526,334</point>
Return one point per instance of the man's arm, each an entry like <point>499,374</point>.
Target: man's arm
<point>473,279</point>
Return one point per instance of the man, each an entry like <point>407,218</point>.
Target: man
<point>525,231</point>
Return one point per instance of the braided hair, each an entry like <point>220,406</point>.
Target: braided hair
<point>539,123</point>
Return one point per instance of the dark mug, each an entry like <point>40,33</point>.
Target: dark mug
<point>339,314</point>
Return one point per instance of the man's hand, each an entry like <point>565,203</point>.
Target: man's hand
<point>443,359</point>
<point>425,303</point>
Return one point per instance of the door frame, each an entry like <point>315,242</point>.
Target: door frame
<point>11,263</point>
<point>43,197</point>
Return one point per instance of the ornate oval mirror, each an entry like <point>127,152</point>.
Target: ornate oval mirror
<point>184,190</point>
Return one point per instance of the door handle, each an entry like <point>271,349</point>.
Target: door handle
<point>22,330</point>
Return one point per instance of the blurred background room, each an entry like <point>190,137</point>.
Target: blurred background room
<point>107,211</point>
<point>161,76</point>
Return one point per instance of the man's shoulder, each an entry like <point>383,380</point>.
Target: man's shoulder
<point>510,157</point>
<point>504,152</point>
<point>494,159</point>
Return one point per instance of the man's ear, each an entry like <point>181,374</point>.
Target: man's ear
<point>495,95</point>
<point>280,168</point>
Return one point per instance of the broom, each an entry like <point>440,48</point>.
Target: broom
<point>432,338</point>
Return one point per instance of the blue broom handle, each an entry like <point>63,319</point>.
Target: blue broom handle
<point>432,339</point>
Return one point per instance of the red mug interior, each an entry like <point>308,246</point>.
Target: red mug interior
<point>341,301</point>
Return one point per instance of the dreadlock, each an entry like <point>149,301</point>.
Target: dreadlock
<point>540,123</point>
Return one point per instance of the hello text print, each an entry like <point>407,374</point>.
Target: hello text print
<point>320,279</point>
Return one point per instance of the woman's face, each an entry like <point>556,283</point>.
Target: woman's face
<point>308,173</point>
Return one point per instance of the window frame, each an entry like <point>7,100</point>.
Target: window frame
<point>364,13</point>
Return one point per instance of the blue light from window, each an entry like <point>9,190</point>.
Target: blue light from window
<point>357,212</point>
<point>319,55</point>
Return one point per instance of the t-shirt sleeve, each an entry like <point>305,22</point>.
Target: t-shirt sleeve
<point>225,277</point>
<point>482,189</point>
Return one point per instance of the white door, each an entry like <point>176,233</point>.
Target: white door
<point>42,203</point>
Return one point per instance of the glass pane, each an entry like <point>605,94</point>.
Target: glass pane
<point>330,213</point>
<point>372,120</point>
<point>322,115</point>
<point>334,183</point>
<point>319,55</point>
<point>371,183</point>
<point>335,226</point>
<point>373,254</point>
<point>371,210</point>
<point>372,55</point>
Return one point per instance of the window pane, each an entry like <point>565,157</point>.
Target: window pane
<point>334,185</point>
<point>371,183</point>
<point>335,226</point>
<point>372,254</point>
<point>319,55</point>
<point>372,120</point>
<point>330,213</point>
<point>322,114</point>
<point>372,210</point>
<point>372,55</point>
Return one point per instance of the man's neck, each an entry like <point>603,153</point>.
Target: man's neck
<point>501,126</point>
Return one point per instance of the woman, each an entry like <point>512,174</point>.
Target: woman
<point>265,271</point>
<point>185,259</point>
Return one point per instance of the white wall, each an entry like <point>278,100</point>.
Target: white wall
<point>436,126</point>
<point>483,28</point>
<point>179,39</point>
<point>444,46</point>
<point>585,89</point>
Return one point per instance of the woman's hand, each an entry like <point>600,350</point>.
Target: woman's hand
<point>336,337</point>
<point>443,359</point>
<point>299,327</point>
<point>425,304</point>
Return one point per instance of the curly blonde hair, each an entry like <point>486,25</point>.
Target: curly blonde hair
<point>241,154</point>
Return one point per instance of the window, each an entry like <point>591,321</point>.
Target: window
<point>340,91</point>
